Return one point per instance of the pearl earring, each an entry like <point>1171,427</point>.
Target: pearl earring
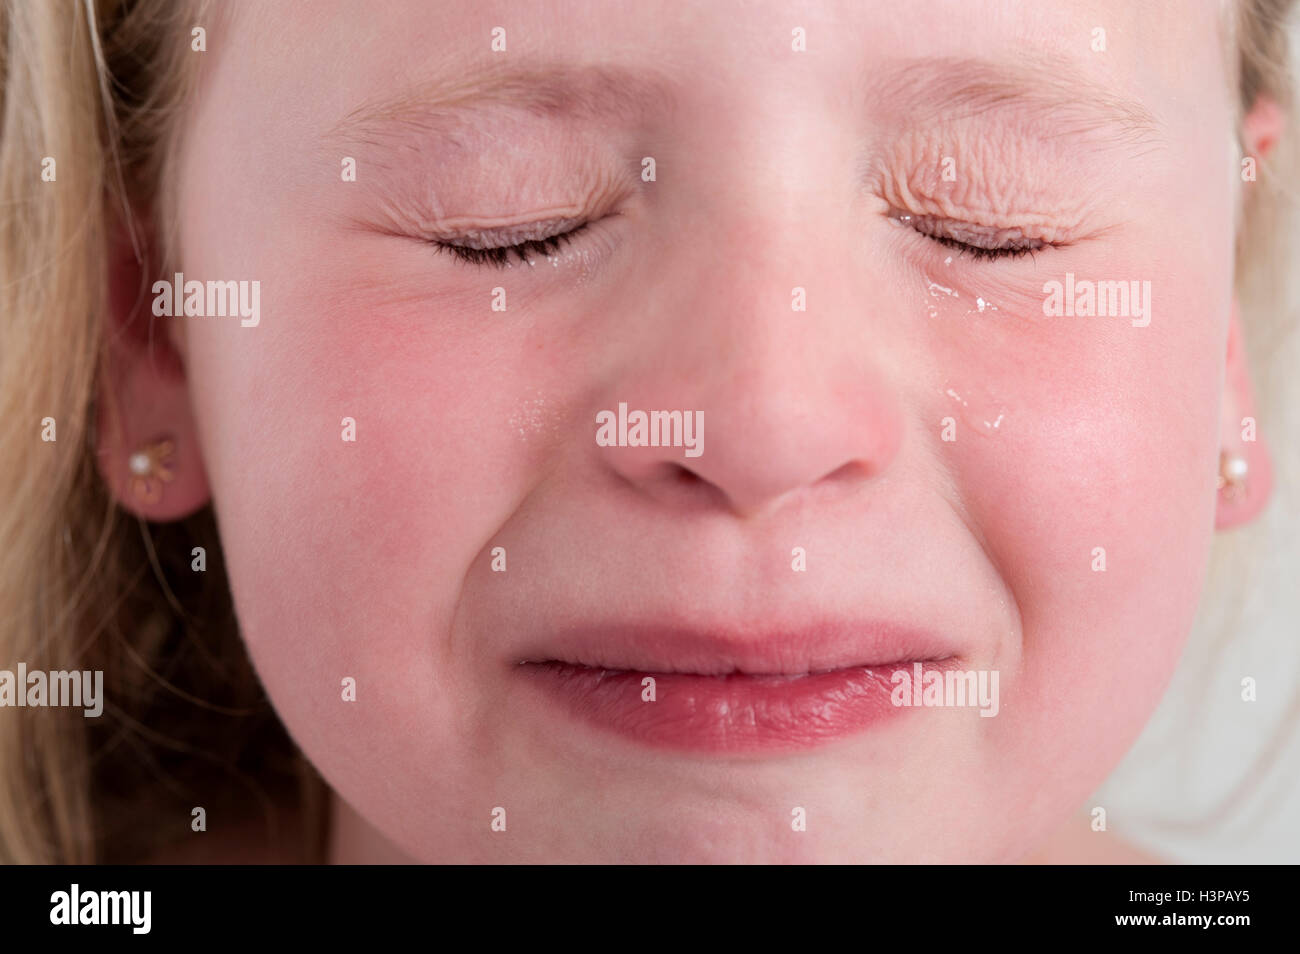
<point>1232,474</point>
<point>151,467</point>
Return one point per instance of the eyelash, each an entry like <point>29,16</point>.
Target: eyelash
<point>499,256</point>
<point>977,252</point>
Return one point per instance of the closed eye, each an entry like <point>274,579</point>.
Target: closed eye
<point>977,241</point>
<point>498,256</point>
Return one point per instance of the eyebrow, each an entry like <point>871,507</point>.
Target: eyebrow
<point>587,93</point>
<point>941,89</point>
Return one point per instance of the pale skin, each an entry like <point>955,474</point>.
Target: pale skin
<point>776,168</point>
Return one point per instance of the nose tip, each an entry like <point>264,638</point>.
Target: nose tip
<point>765,450</point>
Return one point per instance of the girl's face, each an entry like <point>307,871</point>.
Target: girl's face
<point>829,235</point>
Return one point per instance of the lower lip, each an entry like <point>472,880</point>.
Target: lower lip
<point>731,713</point>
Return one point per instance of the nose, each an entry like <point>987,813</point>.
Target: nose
<point>794,404</point>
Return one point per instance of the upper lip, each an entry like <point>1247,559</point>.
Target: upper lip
<point>757,649</point>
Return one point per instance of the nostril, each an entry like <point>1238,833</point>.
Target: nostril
<point>687,478</point>
<point>682,485</point>
<point>853,470</point>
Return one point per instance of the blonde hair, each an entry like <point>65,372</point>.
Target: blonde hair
<point>97,85</point>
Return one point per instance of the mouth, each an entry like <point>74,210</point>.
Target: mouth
<point>709,692</point>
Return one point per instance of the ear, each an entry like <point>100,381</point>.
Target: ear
<point>147,450</point>
<point>1262,127</point>
<point>1244,494</point>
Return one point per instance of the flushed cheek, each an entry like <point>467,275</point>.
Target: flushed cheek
<point>1095,501</point>
<point>376,464</point>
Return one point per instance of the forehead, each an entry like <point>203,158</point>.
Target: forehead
<point>293,82</point>
<point>725,47</point>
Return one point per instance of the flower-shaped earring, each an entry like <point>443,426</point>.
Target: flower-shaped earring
<point>151,467</point>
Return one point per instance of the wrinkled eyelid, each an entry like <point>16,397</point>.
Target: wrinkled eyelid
<point>979,236</point>
<point>510,235</point>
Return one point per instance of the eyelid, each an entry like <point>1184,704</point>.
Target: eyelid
<point>509,236</point>
<point>498,256</point>
<point>985,237</point>
<point>586,244</point>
